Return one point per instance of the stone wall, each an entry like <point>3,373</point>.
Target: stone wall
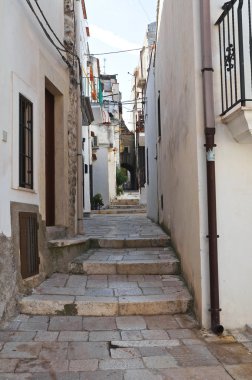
<point>73,115</point>
<point>8,276</point>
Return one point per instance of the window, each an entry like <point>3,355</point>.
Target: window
<point>95,142</point>
<point>25,143</point>
<point>126,149</point>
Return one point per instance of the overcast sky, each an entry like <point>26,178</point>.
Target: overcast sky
<point>119,25</point>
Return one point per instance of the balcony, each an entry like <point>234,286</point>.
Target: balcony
<point>235,50</point>
<point>235,54</point>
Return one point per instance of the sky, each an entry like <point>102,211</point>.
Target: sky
<point>119,25</point>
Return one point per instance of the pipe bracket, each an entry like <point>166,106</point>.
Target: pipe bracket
<point>207,69</point>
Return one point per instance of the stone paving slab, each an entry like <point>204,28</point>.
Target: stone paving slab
<point>199,373</point>
<point>111,226</point>
<point>117,231</point>
<point>95,348</point>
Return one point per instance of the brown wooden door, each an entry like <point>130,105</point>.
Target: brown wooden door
<point>49,158</point>
<point>28,235</point>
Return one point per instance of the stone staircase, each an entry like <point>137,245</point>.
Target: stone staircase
<point>123,206</point>
<point>134,276</point>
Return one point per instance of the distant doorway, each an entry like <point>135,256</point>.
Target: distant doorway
<point>49,158</point>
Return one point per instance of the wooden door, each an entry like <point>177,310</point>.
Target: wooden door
<point>49,158</point>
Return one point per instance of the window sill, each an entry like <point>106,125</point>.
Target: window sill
<point>32,191</point>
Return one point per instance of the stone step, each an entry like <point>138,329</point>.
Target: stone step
<point>102,295</point>
<point>100,242</point>
<point>125,202</point>
<point>126,261</point>
<point>123,206</point>
<point>140,242</point>
<point>115,210</point>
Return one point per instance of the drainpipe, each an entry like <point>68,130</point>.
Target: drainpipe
<point>209,119</point>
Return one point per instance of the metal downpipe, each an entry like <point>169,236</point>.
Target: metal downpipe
<point>209,118</point>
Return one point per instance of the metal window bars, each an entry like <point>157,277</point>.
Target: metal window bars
<point>25,143</point>
<point>235,43</point>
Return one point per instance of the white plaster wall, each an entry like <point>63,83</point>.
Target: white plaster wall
<point>178,175</point>
<point>234,209</point>
<point>104,133</point>
<point>105,163</point>
<point>151,144</point>
<point>28,59</point>
<point>101,175</point>
<point>112,173</point>
<point>182,168</point>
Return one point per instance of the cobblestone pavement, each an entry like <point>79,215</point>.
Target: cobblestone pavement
<point>153,347</point>
<point>120,348</point>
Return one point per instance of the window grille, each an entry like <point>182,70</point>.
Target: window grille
<point>25,143</point>
<point>235,43</point>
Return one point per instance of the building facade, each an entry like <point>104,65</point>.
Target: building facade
<point>40,119</point>
<point>203,126</point>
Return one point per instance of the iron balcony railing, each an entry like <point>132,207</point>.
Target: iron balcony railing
<point>235,42</point>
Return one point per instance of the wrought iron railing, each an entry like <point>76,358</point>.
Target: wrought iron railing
<point>235,42</point>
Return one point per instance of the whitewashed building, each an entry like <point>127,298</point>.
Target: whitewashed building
<point>139,83</point>
<point>204,156</point>
<point>151,137</point>
<point>106,129</point>
<point>40,119</point>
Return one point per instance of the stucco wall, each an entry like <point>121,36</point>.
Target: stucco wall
<point>177,148</point>
<point>101,175</point>
<point>30,64</point>
<point>151,145</point>
<point>112,158</point>
<point>234,207</point>
<point>182,168</point>
<point>104,168</point>
<point>29,59</point>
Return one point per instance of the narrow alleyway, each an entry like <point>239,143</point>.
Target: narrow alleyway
<point>121,313</point>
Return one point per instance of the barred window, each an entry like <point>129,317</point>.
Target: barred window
<point>25,143</point>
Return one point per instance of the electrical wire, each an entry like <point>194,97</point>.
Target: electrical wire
<point>48,36</point>
<point>141,5</point>
<point>53,43</point>
<point>66,50</point>
<point>113,52</point>
<point>49,26</point>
